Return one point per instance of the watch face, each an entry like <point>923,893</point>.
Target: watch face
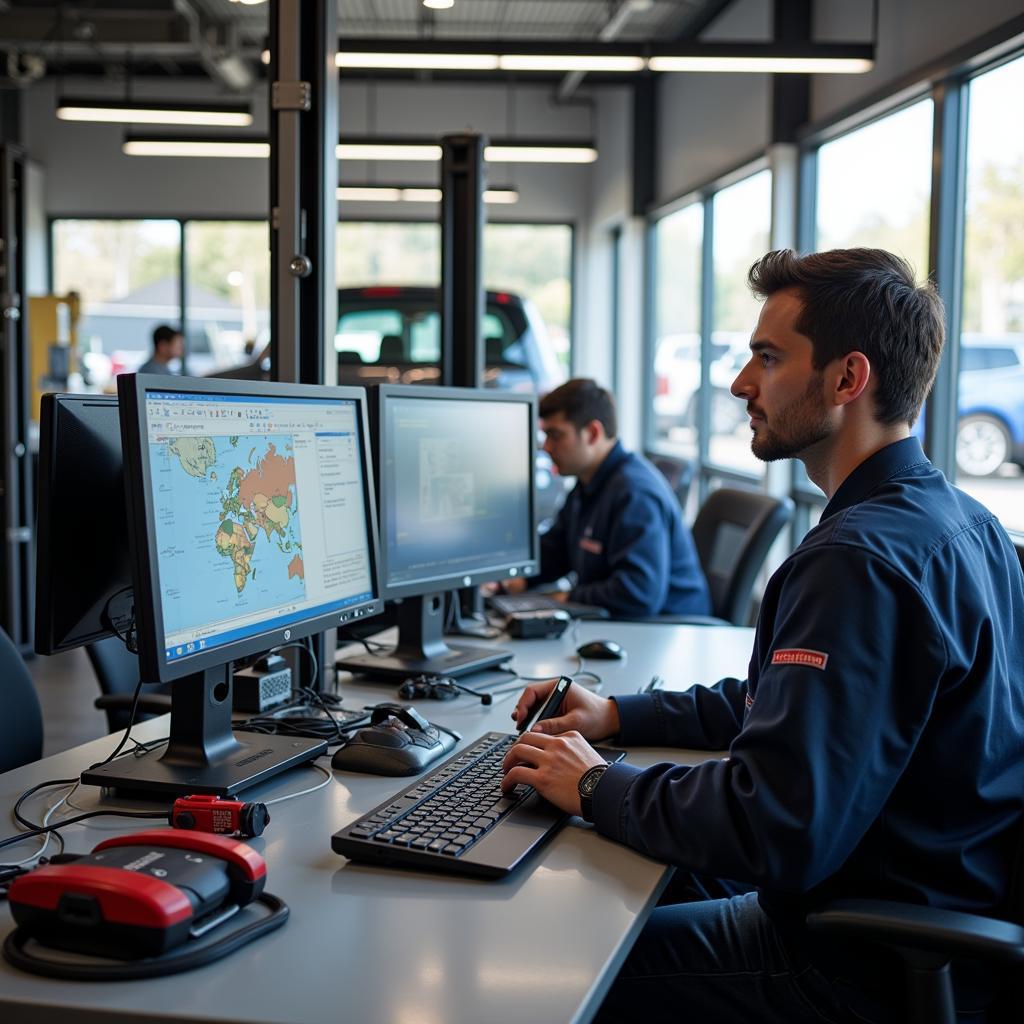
<point>590,780</point>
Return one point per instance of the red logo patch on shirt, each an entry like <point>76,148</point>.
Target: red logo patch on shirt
<point>595,547</point>
<point>800,656</point>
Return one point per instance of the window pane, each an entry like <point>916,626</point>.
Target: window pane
<point>874,186</point>
<point>535,262</point>
<point>742,219</point>
<point>990,430</point>
<point>528,262</point>
<point>126,272</point>
<point>227,313</point>
<point>677,262</point>
<point>387,254</point>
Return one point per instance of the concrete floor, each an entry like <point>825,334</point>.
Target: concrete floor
<point>67,687</point>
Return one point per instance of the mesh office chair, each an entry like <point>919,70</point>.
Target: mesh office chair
<point>678,472</point>
<point>928,939</point>
<point>21,717</point>
<point>117,671</point>
<point>733,532</point>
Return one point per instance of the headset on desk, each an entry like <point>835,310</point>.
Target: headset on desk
<point>438,688</point>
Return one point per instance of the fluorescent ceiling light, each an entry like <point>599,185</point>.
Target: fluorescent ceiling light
<point>764,65</point>
<point>388,151</point>
<point>570,62</point>
<point>539,154</point>
<point>439,5</point>
<point>253,149</point>
<point>417,61</point>
<point>415,194</point>
<point>369,194</point>
<point>154,112</point>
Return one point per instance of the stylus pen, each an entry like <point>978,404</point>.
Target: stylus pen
<point>656,683</point>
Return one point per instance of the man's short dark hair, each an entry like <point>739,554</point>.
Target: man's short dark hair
<point>864,300</point>
<point>581,400</point>
<point>164,334</point>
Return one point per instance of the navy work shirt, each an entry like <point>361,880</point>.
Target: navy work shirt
<point>623,536</point>
<point>876,748</point>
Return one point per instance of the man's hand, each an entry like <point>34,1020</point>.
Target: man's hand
<point>593,717</point>
<point>515,585</point>
<point>553,765</point>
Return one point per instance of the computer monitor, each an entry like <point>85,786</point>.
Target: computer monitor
<point>83,573</point>
<point>251,524</point>
<point>455,470</point>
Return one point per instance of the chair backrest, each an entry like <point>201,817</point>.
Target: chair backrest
<point>733,532</point>
<point>117,671</point>
<point>21,717</point>
<point>678,472</point>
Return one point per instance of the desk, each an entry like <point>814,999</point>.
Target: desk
<point>368,944</point>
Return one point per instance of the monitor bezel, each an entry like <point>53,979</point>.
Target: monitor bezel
<point>530,566</point>
<point>132,389</point>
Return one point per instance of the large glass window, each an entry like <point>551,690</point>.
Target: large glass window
<point>227,301</point>
<point>742,232</point>
<point>126,274</point>
<point>874,186</point>
<point>990,428</point>
<point>678,240</point>
<point>535,261</point>
<point>527,262</point>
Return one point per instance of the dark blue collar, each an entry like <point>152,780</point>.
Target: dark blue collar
<point>875,470</point>
<point>612,461</point>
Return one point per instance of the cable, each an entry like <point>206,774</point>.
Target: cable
<point>328,779</point>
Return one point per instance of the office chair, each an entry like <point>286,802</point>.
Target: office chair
<point>117,671</point>
<point>678,472</point>
<point>928,940</point>
<point>733,531</point>
<point>21,717</point>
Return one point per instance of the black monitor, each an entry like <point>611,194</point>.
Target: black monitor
<point>251,524</point>
<point>455,470</point>
<point>83,573</point>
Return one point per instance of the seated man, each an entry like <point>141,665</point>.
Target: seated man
<point>620,530</point>
<point>876,747</point>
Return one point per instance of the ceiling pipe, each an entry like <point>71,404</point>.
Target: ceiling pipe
<point>611,30</point>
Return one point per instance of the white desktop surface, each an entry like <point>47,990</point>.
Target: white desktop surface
<point>373,944</point>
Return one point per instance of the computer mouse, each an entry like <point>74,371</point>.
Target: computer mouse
<point>606,649</point>
<point>397,742</point>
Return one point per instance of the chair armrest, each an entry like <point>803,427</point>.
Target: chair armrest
<point>675,620</point>
<point>924,928</point>
<point>149,704</point>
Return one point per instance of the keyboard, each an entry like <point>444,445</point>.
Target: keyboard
<point>457,819</point>
<point>509,604</point>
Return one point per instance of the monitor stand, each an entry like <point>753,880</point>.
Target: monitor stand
<point>203,754</point>
<point>421,647</point>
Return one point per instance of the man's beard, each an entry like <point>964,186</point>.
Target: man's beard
<point>799,425</point>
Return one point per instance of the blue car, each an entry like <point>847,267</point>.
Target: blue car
<point>990,430</point>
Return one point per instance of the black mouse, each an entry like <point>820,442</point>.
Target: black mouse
<point>606,649</point>
<point>398,741</point>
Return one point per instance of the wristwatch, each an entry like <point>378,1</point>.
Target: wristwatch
<point>588,783</point>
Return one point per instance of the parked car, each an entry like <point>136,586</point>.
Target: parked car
<point>677,379</point>
<point>990,429</point>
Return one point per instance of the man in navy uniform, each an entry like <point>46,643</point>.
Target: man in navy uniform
<point>876,745</point>
<point>620,531</point>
